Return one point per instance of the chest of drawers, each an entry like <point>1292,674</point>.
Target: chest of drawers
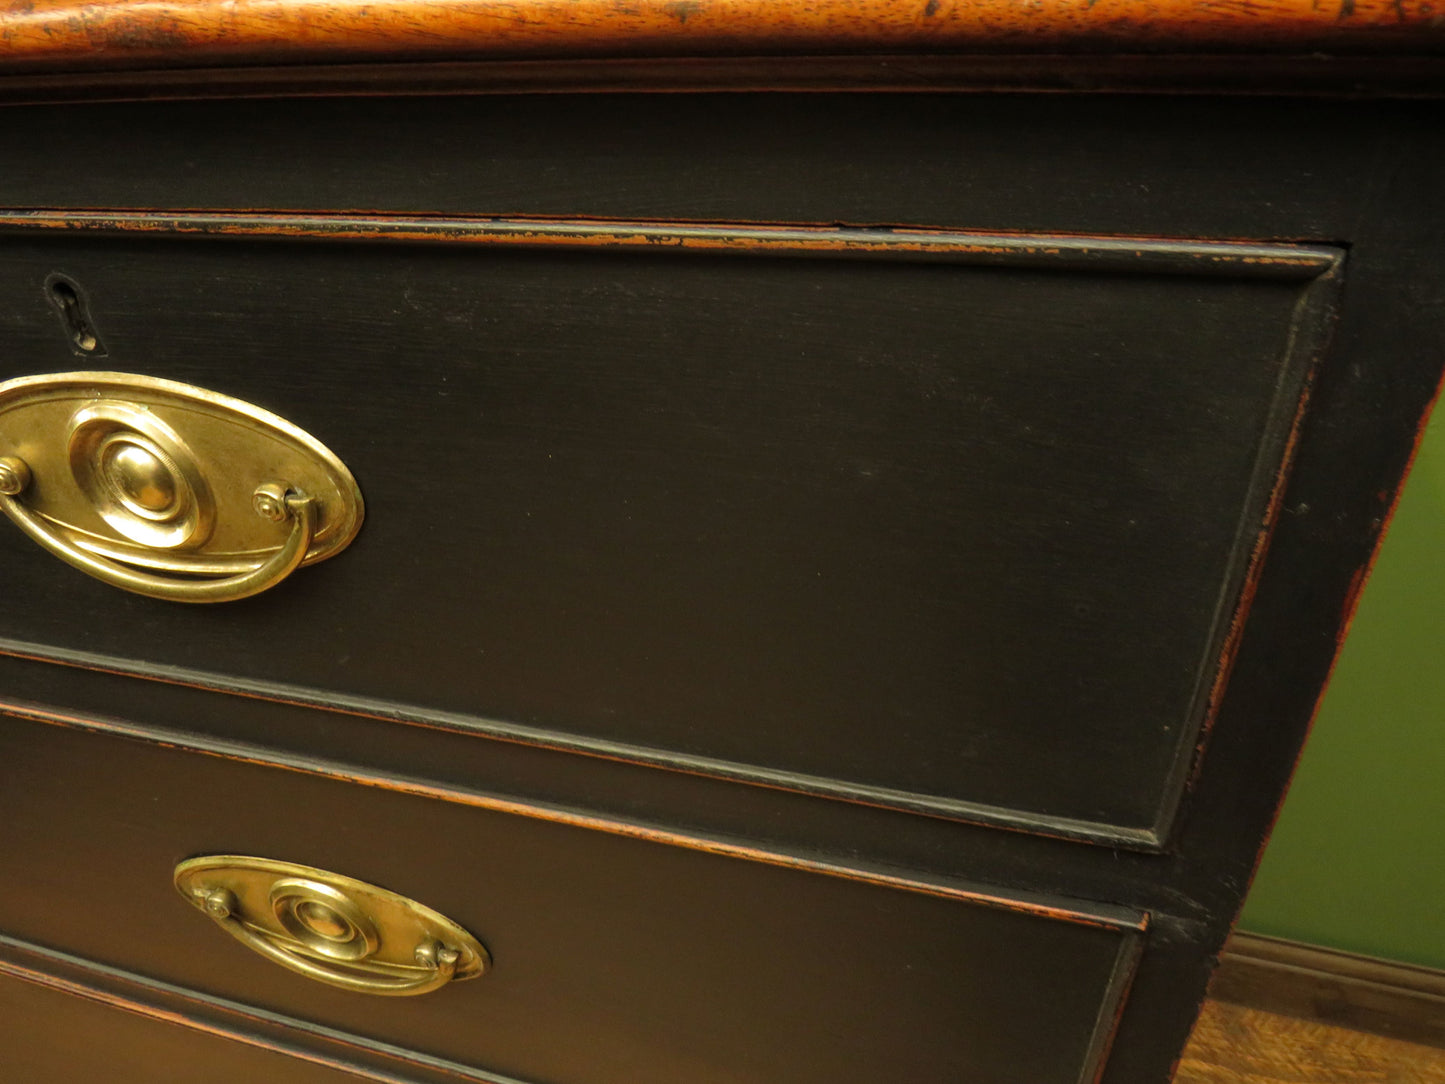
<point>845,573</point>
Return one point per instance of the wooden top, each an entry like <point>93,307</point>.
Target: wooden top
<point>63,35</point>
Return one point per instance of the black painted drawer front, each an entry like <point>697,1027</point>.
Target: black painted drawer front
<point>51,1035</point>
<point>618,959</point>
<point>957,533</point>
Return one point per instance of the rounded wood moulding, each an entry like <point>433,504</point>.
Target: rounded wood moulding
<point>58,35</point>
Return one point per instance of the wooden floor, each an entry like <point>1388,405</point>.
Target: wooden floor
<point>1235,1045</point>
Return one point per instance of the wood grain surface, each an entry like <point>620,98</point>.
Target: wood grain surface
<point>129,33</point>
<point>1235,1045</point>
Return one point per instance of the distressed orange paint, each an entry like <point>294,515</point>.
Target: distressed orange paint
<point>889,241</point>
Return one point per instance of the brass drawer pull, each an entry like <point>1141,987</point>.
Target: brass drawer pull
<point>15,476</point>
<point>168,490</point>
<point>330,928</point>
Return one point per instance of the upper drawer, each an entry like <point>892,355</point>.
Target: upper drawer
<point>948,522</point>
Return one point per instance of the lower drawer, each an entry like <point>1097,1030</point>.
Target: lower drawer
<point>51,1035</point>
<point>621,954</point>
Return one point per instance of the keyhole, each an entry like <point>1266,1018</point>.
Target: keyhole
<point>67,299</point>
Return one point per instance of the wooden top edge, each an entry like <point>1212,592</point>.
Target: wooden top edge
<point>64,35</point>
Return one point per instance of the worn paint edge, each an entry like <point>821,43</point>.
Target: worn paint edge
<point>1111,1010</point>
<point>1153,255</point>
<point>1309,336</point>
<point>1030,823</point>
<point>1104,916</point>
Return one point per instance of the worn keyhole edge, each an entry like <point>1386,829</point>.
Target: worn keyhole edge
<point>68,300</point>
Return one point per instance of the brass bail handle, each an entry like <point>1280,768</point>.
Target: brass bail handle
<point>166,489</point>
<point>273,501</point>
<point>437,963</point>
<point>331,928</point>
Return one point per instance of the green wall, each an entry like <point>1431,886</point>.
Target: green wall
<point>1357,861</point>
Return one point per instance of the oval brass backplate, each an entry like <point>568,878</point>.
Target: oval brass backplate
<point>164,476</point>
<point>331,928</point>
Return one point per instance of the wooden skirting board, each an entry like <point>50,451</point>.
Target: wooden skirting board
<point>1339,988</point>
